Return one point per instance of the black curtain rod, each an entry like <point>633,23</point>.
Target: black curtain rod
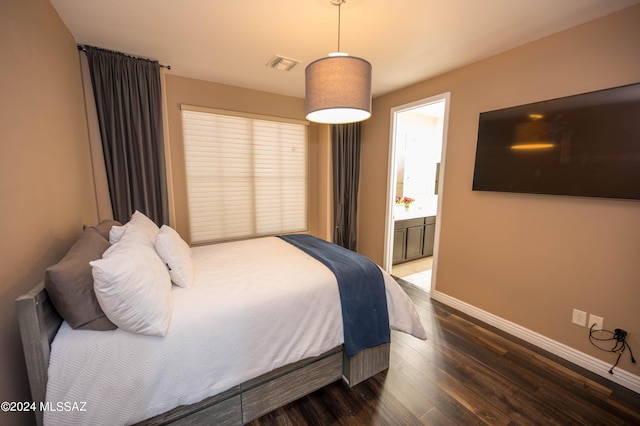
<point>84,49</point>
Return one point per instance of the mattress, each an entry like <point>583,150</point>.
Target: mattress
<point>255,305</point>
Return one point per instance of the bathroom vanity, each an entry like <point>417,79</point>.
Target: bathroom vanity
<point>413,238</point>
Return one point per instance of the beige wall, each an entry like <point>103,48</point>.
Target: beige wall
<point>529,259</point>
<point>46,190</point>
<point>182,90</point>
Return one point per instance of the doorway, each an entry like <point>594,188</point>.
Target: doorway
<point>414,193</point>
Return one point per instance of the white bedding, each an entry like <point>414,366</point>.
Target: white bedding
<point>254,306</point>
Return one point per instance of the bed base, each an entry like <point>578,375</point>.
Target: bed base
<point>241,404</point>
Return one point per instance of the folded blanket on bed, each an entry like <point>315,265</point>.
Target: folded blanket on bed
<point>362,292</point>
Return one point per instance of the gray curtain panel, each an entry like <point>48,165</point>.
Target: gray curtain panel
<point>345,151</point>
<point>128,99</point>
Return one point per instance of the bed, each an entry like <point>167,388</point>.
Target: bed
<point>260,326</point>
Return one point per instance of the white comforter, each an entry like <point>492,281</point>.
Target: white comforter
<point>255,305</point>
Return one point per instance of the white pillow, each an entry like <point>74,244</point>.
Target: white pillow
<point>176,254</point>
<point>115,233</point>
<point>133,285</point>
<point>138,221</point>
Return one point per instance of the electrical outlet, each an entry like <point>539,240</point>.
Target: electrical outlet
<point>579,317</point>
<point>596,321</point>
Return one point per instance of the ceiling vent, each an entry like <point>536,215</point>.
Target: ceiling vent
<point>281,63</point>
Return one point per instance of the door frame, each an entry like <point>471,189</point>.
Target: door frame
<point>391,180</point>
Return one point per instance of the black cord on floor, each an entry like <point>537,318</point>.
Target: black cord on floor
<point>618,336</point>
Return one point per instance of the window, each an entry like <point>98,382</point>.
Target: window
<point>246,174</point>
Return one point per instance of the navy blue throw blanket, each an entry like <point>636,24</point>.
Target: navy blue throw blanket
<point>362,292</point>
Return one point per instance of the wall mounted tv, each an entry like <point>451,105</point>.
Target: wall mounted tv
<point>584,145</point>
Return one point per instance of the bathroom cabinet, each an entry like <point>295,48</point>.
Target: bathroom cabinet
<point>413,238</point>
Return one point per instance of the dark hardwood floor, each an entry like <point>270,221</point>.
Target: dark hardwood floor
<point>466,373</point>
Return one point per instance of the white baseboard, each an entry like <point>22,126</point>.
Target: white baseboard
<point>588,362</point>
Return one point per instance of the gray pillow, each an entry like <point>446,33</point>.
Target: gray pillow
<point>104,227</point>
<point>69,283</point>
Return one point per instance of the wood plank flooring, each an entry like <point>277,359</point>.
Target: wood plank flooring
<point>466,373</point>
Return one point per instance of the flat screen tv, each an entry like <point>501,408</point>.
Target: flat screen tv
<point>583,145</point>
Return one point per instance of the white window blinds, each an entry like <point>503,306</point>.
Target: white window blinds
<point>246,176</point>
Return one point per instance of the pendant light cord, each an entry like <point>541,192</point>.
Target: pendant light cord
<point>339,9</point>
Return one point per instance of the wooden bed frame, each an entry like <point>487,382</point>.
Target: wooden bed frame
<point>241,404</point>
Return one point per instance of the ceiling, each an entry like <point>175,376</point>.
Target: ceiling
<point>406,41</point>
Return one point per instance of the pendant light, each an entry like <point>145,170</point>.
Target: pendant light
<point>338,87</point>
